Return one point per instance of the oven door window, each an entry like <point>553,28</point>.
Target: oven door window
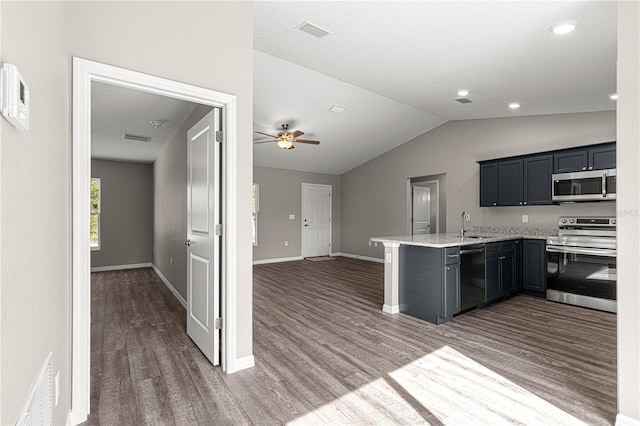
<point>588,275</point>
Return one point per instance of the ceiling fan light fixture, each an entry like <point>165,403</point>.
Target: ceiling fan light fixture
<point>285,143</point>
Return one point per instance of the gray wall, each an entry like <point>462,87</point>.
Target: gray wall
<point>183,41</point>
<point>170,205</point>
<point>126,228</point>
<point>628,217</point>
<point>280,196</point>
<point>374,201</point>
<point>35,201</point>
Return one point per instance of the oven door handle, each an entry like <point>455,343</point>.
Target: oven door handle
<point>582,250</point>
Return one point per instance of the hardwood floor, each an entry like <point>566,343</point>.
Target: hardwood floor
<point>325,353</point>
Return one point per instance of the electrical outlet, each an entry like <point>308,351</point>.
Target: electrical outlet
<point>171,261</point>
<point>525,218</point>
<point>388,258</point>
<point>369,243</point>
<point>376,244</point>
<point>286,243</point>
<point>56,388</point>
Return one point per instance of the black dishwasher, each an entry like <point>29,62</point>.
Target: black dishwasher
<point>472,277</point>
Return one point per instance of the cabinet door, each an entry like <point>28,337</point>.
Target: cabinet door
<point>518,264</point>
<point>510,182</point>
<point>492,278</point>
<point>489,185</point>
<point>507,274</point>
<point>451,299</point>
<point>602,158</point>
<point>534,265</point>
<point>570,161</point>
<point>537,180</point>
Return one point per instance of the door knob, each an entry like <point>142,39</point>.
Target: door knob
<point>187,243</point>
<point>305,225</point>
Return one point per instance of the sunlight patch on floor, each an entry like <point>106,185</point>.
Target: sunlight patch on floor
<point>444,387</point>
<point>458,390</point>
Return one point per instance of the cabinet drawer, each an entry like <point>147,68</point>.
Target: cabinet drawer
<point>491,250</point>
<point>451,255</point>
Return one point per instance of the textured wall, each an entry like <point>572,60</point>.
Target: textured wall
<point>126,228</point>
<point>36,213</point>
<point>374,201</point>
<point>280,196</point>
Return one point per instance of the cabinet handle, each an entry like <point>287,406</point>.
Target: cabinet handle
<point>525,202</point>
<point>453,255</point>
<point>590,167</point>
<point>447,268</point>
<point>584,168</point>
<point>520,202</point>
<point>502,257</point>
<point>495,204</point>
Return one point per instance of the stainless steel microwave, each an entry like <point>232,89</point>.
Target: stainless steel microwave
<point>591,185</point>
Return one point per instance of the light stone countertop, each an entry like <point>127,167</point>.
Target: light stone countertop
<point>453,240</point>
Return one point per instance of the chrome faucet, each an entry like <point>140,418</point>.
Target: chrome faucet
<point>464,217</point>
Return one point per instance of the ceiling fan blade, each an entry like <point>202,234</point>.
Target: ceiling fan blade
<point>266,134</point>
<point>307,141</point>
<point>263,142</point>
<point>296,134</point>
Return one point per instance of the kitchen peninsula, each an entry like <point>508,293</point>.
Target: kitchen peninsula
<point>435,276</point>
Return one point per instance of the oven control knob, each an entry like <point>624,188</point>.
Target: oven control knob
<point>563,221</point>
<point>572,221</point>
<point>613,221</point>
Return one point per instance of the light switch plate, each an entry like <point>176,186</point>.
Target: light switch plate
<point>388,258</point>
<point>292,217</point>
<point>525,218</point>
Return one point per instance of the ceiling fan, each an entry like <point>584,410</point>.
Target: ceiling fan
<point>285,140</point>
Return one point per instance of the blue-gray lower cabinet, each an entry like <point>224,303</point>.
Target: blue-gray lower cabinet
<point>534,277</point>
<point>429,282</point>
<point>500,269</point>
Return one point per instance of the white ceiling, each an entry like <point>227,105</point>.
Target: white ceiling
<point>396,66</point>
<point>116,110</point>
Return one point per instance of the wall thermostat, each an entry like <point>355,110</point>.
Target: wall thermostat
<point>15,96</point>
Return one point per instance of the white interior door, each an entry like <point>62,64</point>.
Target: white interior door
<point>316,220</point>
<point>203,239</point>
<point>421,210</point>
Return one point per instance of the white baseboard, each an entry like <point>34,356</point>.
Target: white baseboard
<point>70,421</point>
<point>357,256</point>
<point>170,286</point>
<point>277,260</point>
<point>622,420</point>
<point>391,309</point>
<point>121,267</point>
<point>244,363</point>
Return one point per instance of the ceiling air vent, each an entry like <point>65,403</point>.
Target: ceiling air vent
<point>314,30</point>
<point>464,101</point>
<point>138,138</point>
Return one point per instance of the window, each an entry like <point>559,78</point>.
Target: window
<point>95,213</point>
<point>254,213</point>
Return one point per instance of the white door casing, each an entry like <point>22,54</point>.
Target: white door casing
<point>84,73</point>
<point>316,220</point>
<point>203,242</point>
<point>421,220</point>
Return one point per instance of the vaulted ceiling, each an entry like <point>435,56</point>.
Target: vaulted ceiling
<point>396,66</point>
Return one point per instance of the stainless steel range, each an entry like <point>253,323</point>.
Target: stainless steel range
<point>581,263</point>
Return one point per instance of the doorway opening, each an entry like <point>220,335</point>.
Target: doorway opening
<point>85,73</point>
<point>426,204</point>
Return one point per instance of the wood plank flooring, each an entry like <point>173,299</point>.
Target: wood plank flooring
<point>326,354</point>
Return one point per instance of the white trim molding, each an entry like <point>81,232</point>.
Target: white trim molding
<point>170,286</point>
<point>622,420</point>
<point>244,363</point>
<point>121,267</point>
<point>357,256</point>
<point>86,72</point>
<point>277,260</point>
<point>395,309</point>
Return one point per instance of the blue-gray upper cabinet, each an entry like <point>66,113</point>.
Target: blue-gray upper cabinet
<point>579,159</point>
<point>489,184</point>
<point>510,182</point>
<point>537,180</point>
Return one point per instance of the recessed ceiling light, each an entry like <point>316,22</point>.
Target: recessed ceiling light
<point>156,123</point>
<point>514,105</point>
<point>613,96</point>
<point>313,30</point>
<point>338,109</point>
<point>463,92</point>
<point>563,27</point>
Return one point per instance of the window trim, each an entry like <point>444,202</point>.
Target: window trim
<point>255,212</point>
<point>98,214</point>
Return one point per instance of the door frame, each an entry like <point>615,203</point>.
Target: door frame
<point>410,184</point>
<point>84,73</point>
<point>330,215</point>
